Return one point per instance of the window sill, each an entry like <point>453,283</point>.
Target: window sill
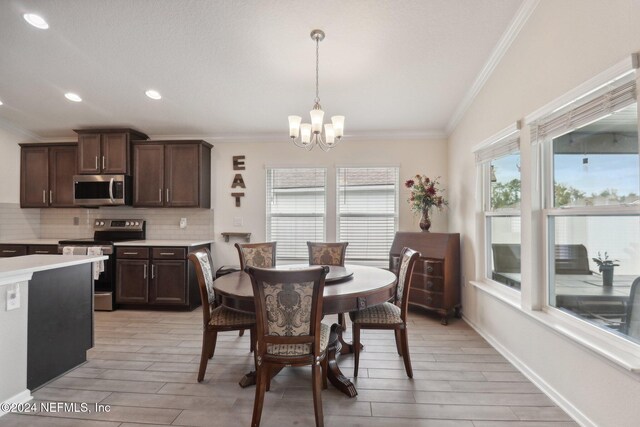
<point>615,349</point>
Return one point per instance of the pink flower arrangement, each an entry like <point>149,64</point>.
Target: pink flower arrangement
<point>425,194</point>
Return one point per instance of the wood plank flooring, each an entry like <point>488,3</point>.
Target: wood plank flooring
<point>144,365</point>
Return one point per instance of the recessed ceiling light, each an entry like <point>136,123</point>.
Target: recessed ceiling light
<point>36,20</point>
<point>153,94</point>
<point>0,102</point>
<point>72,97</point>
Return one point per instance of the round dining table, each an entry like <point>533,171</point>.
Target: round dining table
<point>349,288</point>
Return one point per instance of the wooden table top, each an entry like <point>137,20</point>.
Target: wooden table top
<point>367,286</point>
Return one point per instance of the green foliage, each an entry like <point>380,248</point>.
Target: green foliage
<point>505,195</point>
<point>565,194</point>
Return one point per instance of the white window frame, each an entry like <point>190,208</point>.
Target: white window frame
<point>374,262</point>
<point>269,215</point>
<point>503,143</point>
<point>621,351</point>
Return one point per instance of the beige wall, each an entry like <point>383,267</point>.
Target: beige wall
<point>426,157</point>
<point>563,44</point>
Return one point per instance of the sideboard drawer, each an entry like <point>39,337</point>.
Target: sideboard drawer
<point>430,267</point>
<point>425,298</point>
<point>427,283</point>
<point>132,252</point>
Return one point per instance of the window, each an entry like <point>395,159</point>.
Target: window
<point>367,212</point>
<point>296,209</point>
<point>498,160</point>
<point>591,176</point>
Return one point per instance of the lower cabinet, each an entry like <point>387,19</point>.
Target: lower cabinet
<point>155,278</point>
<point>8,250</point>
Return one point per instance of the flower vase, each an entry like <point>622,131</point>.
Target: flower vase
<point>607,275</point>
<point>425,222</point>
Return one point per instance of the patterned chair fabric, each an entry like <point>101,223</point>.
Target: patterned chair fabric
<point>402,275</point>
<point>300,349</point>
<point>386,314</point>
<point>222,316</point>
<point>205,264</point>
<point>257,255</point>
<point>327,253</point>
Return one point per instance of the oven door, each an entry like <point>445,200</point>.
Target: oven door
<point>100,190</point>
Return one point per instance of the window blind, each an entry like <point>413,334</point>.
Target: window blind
<point>367,211</point>
<point>587,111</point>
<point>498,149</point>
<point>296,209</point>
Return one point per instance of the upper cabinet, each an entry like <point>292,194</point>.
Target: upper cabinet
<point>46,175</point>
<point>172,174</point>
<point>106,151</point>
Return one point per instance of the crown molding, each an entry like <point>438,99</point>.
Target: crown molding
<point>499,136</point>
<point>10,127</point>
<point>508,37</point>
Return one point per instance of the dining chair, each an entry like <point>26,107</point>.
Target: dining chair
<point>389,315</point>
<point>215,318</point>
<point>289,328</point>
<point>328,254</point>
<point>262,255</point>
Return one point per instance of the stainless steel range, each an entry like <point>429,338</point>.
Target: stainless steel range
<point>106,233</point>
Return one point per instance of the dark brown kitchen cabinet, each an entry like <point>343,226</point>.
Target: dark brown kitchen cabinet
<point>105,151</point>
<point>11,250</point>
<point>435,284</point>
<point>7,251</point>
<point>157,277</point>
<point>46,175</point>
<point>42,250</point>
<point>172,174</point>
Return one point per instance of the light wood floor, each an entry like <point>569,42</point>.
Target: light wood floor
<point>144,365</point>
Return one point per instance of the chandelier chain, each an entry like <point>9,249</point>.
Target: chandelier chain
<point>317,69</point>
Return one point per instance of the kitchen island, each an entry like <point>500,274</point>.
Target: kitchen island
<point>49,325</point>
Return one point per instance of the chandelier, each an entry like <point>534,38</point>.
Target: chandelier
<point>307,135</point>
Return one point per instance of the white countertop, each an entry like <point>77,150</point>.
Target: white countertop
<point>18,269</point>
<point>174,243</point>
<point>31,242</point>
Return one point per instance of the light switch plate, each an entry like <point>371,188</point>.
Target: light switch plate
<point>13,297</point>
<point>183,222</point>
<point>237,221</point>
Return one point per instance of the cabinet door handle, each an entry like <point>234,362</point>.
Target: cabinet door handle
<point>153,271</point>
<point>50,196</point>
<point>160,195</point>
<point>42,252</point>
<point>9,251</point>
<point>103,166</point>
<point>44,197</point>
<point>129,253</point>
<point>97,163</point>
<point>145,271</point>
<point>167,195</point>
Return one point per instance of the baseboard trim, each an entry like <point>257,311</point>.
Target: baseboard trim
<point>546,388</point>
<point>22,397</point>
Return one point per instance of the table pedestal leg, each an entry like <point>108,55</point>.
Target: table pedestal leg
<point>334,374</point>
<point>249,379</point>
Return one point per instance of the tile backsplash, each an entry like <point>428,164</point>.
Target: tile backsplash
<point>18,223</point>
<point>161,223</point>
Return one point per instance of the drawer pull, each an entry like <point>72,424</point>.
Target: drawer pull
<point>429,284</point>
<point>9,251</point>
<point>167,253</point>
<point>42,252</point>
<point>129,253</point>
<point>429,269</point>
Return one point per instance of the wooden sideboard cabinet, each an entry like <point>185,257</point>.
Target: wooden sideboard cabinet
<point>436,276</point>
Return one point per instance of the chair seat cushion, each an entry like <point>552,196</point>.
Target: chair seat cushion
<point>300,349</point>
<point>222,316</point>
<point>386,314</point>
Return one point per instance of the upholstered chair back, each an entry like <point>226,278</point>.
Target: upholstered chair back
<point>288,310</point>
<point>261,255</point>
<point>408,258</point>
<point>201,260</point>
<point>327,253</point>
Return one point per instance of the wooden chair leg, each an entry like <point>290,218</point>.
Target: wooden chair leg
<point>316,375</point>
<point>398,341</point>
<point>268,380</point>
<point>356,348</point>
<point>241,333</point>
<point>212,344</point>
<point>252,337</point>
<point>341,321</point>
<point>405,352</point>
<point>261,378</point>
<point>204,355</point>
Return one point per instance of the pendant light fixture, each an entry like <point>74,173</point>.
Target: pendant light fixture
<point>306,135</point>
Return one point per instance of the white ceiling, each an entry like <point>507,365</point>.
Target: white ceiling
<point>230,69</point>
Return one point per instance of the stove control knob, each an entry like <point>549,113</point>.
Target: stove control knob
<point>101,223</point>
<point>97,222</point>
<point>127,223</point>
<point>136,223</point>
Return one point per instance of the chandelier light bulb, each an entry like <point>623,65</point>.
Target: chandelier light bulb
<point>338,125</point>
<point>294,126</point>
<point>329,134</point>
<point>305,130</point>
<point>317,117</point>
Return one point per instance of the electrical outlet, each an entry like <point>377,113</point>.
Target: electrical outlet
<point>183,222</point>
<point>76,220</point>
<point>13,297</point>
<point>237,221</point>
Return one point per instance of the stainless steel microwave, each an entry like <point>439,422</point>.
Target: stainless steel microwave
<point>101,190</point>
